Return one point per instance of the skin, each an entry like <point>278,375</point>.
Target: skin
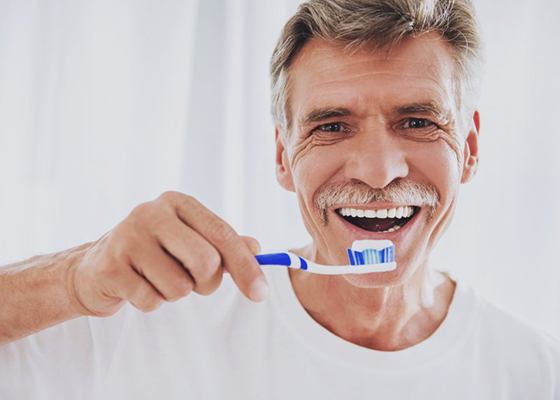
<point>378,139</point>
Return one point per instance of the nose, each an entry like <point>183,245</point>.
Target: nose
<point>376,158</point>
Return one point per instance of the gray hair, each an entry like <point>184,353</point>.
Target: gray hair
<point>382,24</point>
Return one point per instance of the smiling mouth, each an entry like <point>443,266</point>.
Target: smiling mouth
<point>382,220</point>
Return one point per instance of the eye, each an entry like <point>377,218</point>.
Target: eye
<point>417,123</point>
<point>333,127</point>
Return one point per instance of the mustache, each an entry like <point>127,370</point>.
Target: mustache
<point>399,191</point>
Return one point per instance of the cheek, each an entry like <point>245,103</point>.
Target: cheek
<point>438,161</point>
<point>313,164</point>
<point>442,139</point>
<point>313,145</point>
<point>312,167</point>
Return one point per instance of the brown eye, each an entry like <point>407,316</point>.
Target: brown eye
<point>330,127</point>
<point>418,123</point>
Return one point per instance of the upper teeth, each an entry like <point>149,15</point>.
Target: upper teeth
<point>398,212</point>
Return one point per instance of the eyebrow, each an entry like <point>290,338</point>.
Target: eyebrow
<point>431,108</point>
<point>321,114</point>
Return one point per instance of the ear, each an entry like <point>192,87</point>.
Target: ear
<point>470,159</point>
<point>283,170</point>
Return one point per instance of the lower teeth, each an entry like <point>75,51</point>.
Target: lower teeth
<point>393,229</point>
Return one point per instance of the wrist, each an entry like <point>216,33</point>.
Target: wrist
<point>76,303</point>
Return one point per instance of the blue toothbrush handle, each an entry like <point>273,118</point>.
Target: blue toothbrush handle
<point>283,259</point>
<point>367,260</point>
<point>274,259</point>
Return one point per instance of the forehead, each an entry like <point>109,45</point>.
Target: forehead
<point>368,80</point>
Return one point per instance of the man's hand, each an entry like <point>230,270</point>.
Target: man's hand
<point>162,251</point>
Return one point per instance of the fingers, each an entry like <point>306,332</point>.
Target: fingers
<point>135,289</point>
<point>253,245</point>
<point>164,250</point>
<point>236,255</point>
<point>166,275</point>
<point>195,254</point>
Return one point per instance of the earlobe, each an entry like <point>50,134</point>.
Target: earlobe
<point>470,163</point>
<point>283,170</point>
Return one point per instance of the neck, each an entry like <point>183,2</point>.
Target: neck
<point>382,318</point>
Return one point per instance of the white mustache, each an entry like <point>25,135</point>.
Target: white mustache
<point>398,191</point>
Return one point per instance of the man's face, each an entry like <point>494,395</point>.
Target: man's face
<point>373,131</point>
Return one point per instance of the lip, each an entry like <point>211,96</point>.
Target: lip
<point>356,233</point>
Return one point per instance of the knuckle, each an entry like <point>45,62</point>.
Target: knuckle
<point>169,196</point>
<point>149,305</point>
<point>210,286</point>
<point>176,198</point>
<point>182,288</point>
<point>211,260</point>
<point>146,216</point>
<point>188,203</point>
<point>187,199</point>
<point>142,293</point>
<point>208,265</point>
<point>141,211</point>
<point>144,300</point>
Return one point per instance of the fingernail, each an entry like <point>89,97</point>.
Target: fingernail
<point>259,290</point>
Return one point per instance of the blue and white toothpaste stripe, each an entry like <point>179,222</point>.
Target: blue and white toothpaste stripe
<point>372,256</point>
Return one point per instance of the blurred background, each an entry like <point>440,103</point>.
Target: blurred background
<point>106,104</point>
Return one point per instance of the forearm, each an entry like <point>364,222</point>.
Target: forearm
<point>37,293</point>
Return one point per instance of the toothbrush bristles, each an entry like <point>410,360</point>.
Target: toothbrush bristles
<point>372,256</point>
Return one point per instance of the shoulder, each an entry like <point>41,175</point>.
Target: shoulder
<point>516,341</point>
<point>496,319</point>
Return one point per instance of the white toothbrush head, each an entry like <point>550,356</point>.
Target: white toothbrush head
<point>372,252</point>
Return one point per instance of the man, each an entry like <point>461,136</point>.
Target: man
<point>376,128</point>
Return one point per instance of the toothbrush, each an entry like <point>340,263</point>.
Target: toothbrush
<point>365,256</point>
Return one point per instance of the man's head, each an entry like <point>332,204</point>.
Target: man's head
<point>375,120</point>
<point>381,24</point>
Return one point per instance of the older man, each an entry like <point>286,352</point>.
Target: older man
<point>376,128</point>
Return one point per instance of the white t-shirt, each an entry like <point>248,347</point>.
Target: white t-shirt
<point>225,347</point>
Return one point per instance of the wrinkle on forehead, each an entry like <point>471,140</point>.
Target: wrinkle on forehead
<point>406,70</point>
<point>430,57</point>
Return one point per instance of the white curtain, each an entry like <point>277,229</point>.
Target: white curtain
<point>106,104</point>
